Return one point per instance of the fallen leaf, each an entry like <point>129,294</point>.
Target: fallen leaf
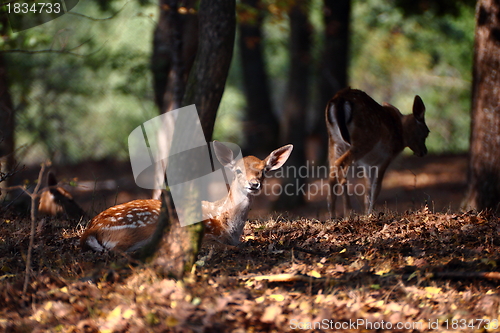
<point>277,297</point>
<point>315,273</point>
<point>432,291</point>
<point>339,268</point>
<point>129,313</point>
<point>270,314</point>
<point>115,314</point>
<point>260,299</point>
<point>172,321</point>
<point>382,271</point>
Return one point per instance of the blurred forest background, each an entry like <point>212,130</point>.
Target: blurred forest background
<point>78,85</point>
<point>81,83</point>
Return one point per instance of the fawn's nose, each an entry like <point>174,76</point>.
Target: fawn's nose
<point>254,184</point>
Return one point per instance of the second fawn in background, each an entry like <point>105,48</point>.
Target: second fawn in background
<point>57,201</point>
<point>369,136</point>
<point>130,226</point>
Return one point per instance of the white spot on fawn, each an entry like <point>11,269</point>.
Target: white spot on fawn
<point>94,244</point>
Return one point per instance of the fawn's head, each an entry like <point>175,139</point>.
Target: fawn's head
<point>414,128</point>
<point>250,171</point>
<point>56,200</point>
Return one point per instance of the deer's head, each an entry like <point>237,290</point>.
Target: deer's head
<point>250,171</point>
<point>414,128</point>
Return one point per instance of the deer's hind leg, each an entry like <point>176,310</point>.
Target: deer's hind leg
<point>338,181</point>
<point>374,176</point>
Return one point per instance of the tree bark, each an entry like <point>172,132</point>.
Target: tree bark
<point>295,106</point>
<point>174,49</point>
<point>332,72</point>
<point>7,117</point>
<point>180,246</point>
<point>335,60</point>
<point>215,50</point>
<point>484,163</point>
<point>260,126</point>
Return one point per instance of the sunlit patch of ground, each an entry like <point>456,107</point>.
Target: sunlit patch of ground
<point>426,269</point>
<point>409,184</point>
<point>417,269</point>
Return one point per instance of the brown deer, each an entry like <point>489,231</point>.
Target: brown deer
<point>57,201</point>
<point>130,226</point>
<point>368,135</point>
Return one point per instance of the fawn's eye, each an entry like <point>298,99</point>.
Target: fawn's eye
<point>238,171</point>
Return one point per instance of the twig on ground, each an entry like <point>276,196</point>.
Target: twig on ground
<point>316,253</point>
<point>287,277</point>
<point>33,196</point>
<point>467,275</point>
<point>284,278</point>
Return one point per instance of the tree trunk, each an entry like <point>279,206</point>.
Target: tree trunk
<point>7,122</point>
<point>261,126</point>
<point>180,246</point>
<point>484,163</point>
<point>332,74</point>
<point>174,48</point>
<point>295,106</point>
<point>335,60</point>
<point>208,79</point>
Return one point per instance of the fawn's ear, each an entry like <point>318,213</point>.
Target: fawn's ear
<point>224,154</point>
<point>419,109</point>
<point>278,157</point>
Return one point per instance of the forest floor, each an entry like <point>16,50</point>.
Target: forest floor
<point>417,265</point>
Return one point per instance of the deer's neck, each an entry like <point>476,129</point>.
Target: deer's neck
<point>394,123</point>
<point>407,124</point>
<point>225,219</point>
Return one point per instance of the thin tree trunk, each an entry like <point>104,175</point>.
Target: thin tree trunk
<point>179,247</point>
<point>335,60</point>
<point>207,80</point>
<point>484,163</point>
<point>293,125</point>
<point>261,126</point>
<point>334,65</point>
<point>174,49</point>
<point>7,124</point>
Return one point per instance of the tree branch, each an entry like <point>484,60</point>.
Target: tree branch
<point>69,51</point>
<point>33,196</point>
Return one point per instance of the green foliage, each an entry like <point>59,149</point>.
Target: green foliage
<point>229,116</point>
<point>81,99</point>
<point>396,53</point>
<point>396,57</point>
<point>229,122</point>
<point>437,7</point>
